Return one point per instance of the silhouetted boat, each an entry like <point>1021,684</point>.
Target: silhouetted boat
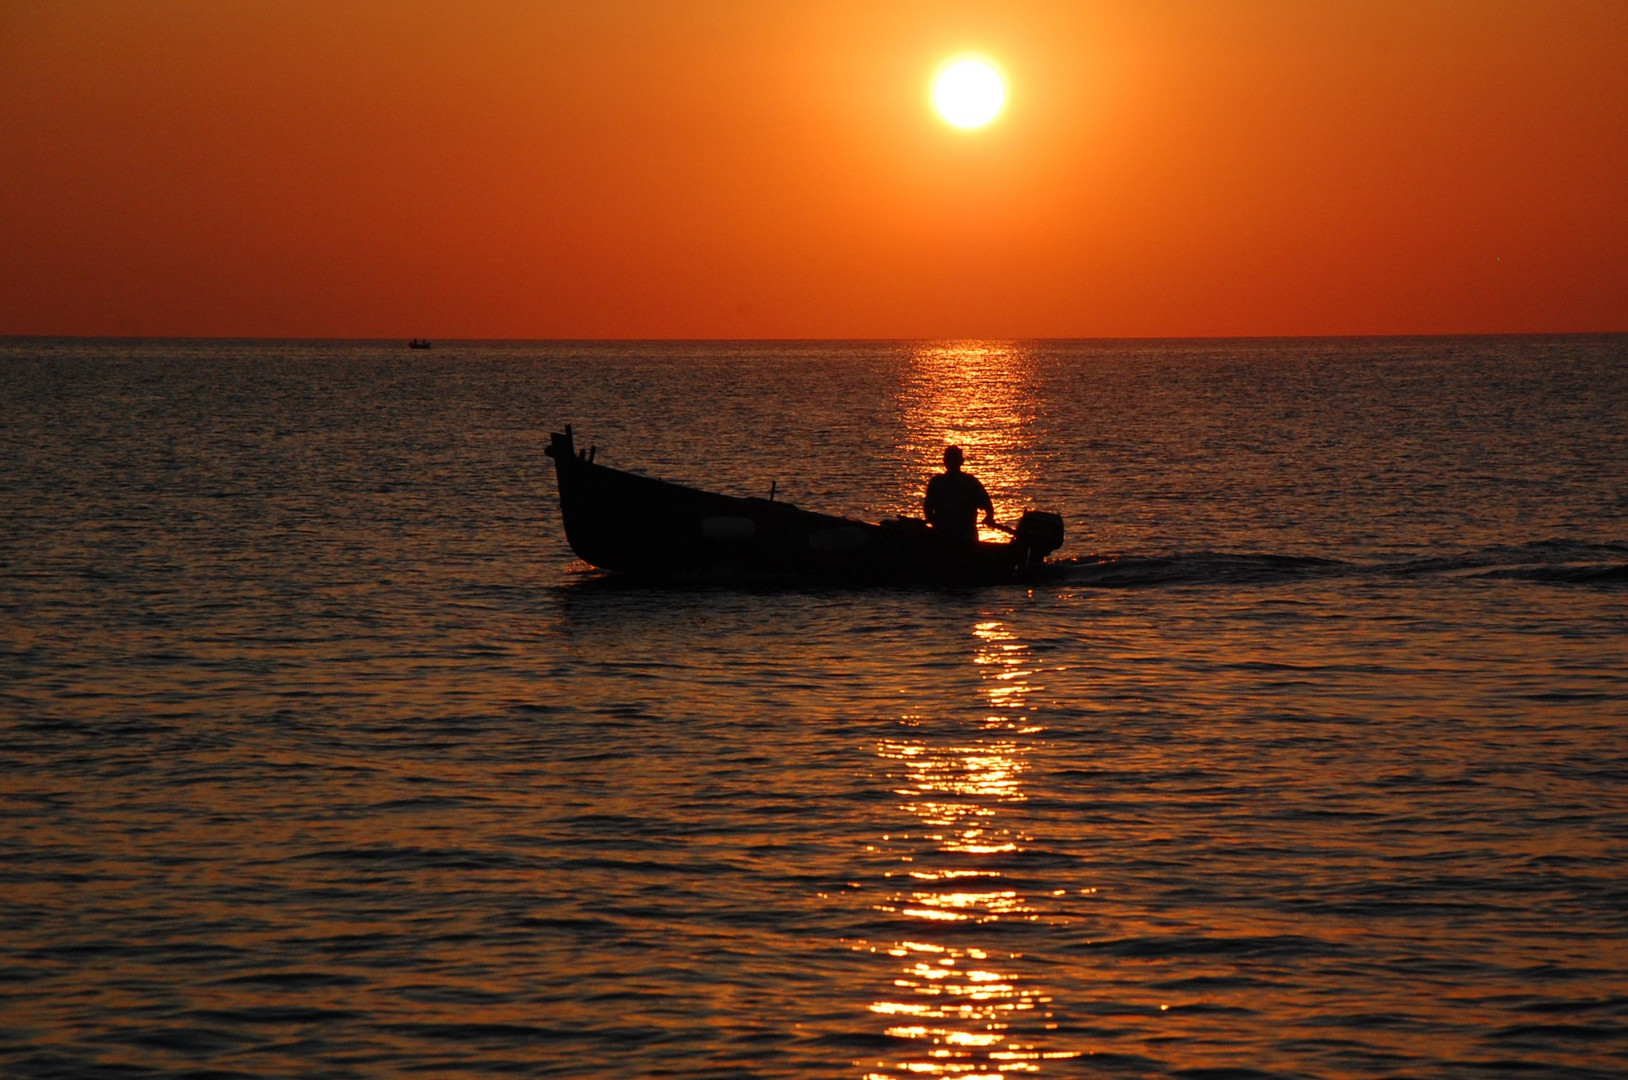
<point>418,343</point>
<point>638,525</point>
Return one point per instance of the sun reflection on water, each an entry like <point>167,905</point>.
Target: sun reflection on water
<point>978,395</point>
<point>963,1007</point>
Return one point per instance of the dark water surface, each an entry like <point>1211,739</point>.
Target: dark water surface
<point>319,755</point>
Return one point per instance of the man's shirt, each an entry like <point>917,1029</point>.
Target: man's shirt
<point>953,502</point>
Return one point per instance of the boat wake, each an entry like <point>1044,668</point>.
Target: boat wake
<point>1193,568</point>
<point>1563,562</point>
<point>1557,562</point>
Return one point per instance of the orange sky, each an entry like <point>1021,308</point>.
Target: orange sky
<point>737,168</point>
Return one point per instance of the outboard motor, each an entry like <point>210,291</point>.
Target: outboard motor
<point>1038,534</point>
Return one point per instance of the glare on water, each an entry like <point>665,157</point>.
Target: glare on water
<point>971,1009</point>
<point>978,395</point>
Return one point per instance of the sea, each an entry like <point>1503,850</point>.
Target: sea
<point>321,754</point>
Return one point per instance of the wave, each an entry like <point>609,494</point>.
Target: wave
<point>1557,562</point>
<point>1560,562</point>
<point>1194,568</point>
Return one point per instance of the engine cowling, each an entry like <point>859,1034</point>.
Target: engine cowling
<point>1039,533</point>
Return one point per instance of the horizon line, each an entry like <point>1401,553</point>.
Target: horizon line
<point>816,340</point>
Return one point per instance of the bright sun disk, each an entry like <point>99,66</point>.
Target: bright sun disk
<point>969,93</point>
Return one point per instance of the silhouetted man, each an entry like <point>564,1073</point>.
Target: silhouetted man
<point>954,499</point>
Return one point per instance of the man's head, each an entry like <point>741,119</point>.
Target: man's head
<point>952,458</point>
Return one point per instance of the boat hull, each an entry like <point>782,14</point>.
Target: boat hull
<point>632,524</point>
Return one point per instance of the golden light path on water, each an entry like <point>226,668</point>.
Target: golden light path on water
<point>957,1008</point>
<point>960,1007</point>
<point>978,395</point>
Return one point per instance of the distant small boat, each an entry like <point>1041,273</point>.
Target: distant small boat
<point>632,524</point>
<point>418,343</point>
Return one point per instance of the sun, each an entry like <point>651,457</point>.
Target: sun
<point>969,92</point>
